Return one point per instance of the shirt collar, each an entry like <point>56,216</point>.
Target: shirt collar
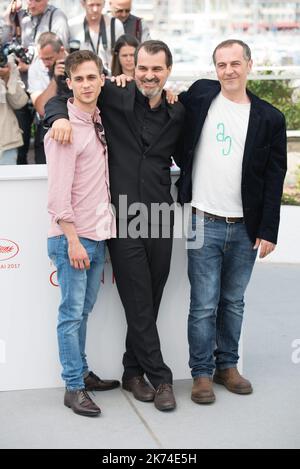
<point>141,99</point>
<point>74,111</point>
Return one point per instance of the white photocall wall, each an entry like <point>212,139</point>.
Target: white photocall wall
<point>30,295</point>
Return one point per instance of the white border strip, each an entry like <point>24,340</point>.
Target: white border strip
<point>23,172</point>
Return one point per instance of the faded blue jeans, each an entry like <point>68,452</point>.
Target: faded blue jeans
<point>8,157</point>
<point>79,289</point>
<point>219,273</point>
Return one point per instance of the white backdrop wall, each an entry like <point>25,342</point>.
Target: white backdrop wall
<point>30,296</point>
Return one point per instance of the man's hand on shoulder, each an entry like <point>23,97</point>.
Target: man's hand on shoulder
<point>121,80</point>
<point>171,97</point>
<point>61,131</point>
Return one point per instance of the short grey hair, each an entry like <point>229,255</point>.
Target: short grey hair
<point>50,39</point>
<point>231,42</point>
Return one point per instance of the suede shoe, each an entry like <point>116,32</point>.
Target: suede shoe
<point>92,382</point>
<point>202,391</point>
<point>233,381</point>
<point>164,397</point>
<point>141,390</point>
<point>81,403</point>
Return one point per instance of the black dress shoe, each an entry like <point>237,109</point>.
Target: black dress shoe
<point>81,403</point>
<point>164,397</point>
<point>93,383</point>
<point>141,390</point>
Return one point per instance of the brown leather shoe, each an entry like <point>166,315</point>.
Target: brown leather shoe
<point>141,390</point>
<point>93,383</point>
<point>81,403</point>
<point>233,381</point>
<point>202,391</point>
<point>164,397</point>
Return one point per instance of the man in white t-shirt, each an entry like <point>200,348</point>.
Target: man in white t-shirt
<point>234,161</point>
<point>96,31</point>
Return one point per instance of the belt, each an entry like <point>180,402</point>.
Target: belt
<point>218,217</point>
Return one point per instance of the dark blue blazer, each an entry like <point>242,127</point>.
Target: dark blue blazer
<point>264,159</point>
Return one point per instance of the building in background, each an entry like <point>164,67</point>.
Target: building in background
<point>193,27</point>
<point>191,16</point>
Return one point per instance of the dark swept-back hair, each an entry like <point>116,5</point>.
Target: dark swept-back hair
<point>124,40</point>
<point>231,42</point>
<point>78,58</point>
<point>153,47</point>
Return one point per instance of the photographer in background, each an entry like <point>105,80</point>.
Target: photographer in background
<point>12,96</point>
<point>23,27</point>
<point>46,78</point>
<point>133,25</point>
<point>96,31</point>
<point>37,18</point>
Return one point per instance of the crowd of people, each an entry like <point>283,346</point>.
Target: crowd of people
<point>40,36</point>
<point>109,153</point>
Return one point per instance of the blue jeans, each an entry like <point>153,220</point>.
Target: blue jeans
<point>79,289</point>
<point>8,157</point>
<point>219,273</point>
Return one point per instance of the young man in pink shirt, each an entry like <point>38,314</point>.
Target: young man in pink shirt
<point>81,221</point>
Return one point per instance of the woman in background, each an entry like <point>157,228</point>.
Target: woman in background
<point>123,57</point>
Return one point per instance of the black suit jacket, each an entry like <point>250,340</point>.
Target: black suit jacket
<point>143,176</point>
<point>264,160</point>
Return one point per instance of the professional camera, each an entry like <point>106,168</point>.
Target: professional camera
<point>61,80</point>
<point>62,87</point>
<point>26,55</point>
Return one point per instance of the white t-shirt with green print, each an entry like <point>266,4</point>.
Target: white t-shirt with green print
<point>217,170</point>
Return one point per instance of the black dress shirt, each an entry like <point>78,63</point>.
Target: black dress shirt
<point>149,121</point>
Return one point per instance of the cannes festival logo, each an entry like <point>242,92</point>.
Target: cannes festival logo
<point>8,249</point>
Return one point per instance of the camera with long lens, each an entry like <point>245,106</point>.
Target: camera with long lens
<point>26,55</point>
<point>62,87</point>
<point>61,80</point>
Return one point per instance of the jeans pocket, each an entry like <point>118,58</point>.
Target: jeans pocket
<point>195,236</point>
<point>90,246</point>
<point>53,246</point>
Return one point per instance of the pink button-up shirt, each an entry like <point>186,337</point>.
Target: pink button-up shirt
<point>78,180</point>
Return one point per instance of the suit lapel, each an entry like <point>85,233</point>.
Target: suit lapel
<point>201,106</point>
<point>128,109</point>
<point>253,126</point>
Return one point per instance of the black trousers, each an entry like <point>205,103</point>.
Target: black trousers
<point>25,118</point>
<point>39,151</point>
<point>141,268</point>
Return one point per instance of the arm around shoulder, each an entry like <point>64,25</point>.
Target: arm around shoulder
<point>56,108</point>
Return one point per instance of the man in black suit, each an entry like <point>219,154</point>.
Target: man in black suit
<point>233,162</point>
<point>142,131</point>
